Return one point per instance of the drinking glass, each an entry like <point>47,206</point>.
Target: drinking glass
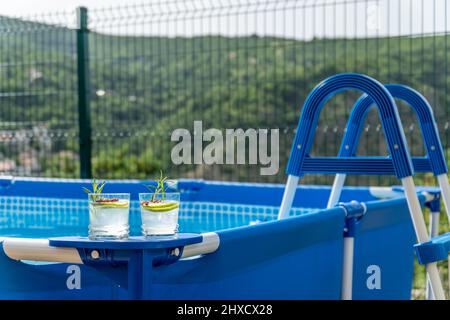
<point>109,215</point>
<point>159,213</point>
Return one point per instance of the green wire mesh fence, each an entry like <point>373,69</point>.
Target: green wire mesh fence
<point>102,98</point>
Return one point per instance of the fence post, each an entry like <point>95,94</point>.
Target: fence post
<point>84,118</point>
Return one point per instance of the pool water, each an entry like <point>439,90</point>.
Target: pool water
<point>49,217</point>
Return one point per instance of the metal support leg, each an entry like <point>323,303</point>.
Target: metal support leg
<point>288,197</point>
<point>445,189</point>
<point>347,270</point>
<point>434,231</point>
<point>353,211</point>
<point>422,234</point>
<point>349,241</point>
<point>336,190</point>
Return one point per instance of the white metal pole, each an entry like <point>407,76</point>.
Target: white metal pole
<point>434,223</point>
<point>434,231</point>
<point>435,281</point>
<point>336,190</point>
<point>347,270</point>
<point>445,189</point>
<point>422,234</point>
<point>349,242</point>
<point>288,197</point>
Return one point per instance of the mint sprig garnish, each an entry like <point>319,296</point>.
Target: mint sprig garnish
<point>160,187</point>
<point>96,189</point>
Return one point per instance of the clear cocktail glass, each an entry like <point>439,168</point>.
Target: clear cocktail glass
<point>109,215</point>
<point>159,213</point>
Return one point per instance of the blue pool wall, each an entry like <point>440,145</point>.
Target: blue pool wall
<point>297,258</point>
<point>191,190</point>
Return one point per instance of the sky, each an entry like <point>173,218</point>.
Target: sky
<point>31,7</point>
<point>296,19</point>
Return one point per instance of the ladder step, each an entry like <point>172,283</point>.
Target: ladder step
<point>359,165</point>
<point>435,250</point>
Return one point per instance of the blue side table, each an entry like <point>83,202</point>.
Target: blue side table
<point>139,254</point>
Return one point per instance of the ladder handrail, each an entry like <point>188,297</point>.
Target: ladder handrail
<point>429,131</point>
<point>390,119</point>
<point>424,114</point>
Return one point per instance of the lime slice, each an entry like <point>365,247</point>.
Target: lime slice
<point>116,204</point>
<point>161,206</point>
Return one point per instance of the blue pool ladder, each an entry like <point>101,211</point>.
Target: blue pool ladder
<point>434,161</point>
<point>399,163</point>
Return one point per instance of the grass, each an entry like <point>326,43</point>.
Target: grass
<point>419,284</point>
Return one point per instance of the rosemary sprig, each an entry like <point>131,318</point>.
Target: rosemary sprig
<point>96,189</point>
<point>160,187</point>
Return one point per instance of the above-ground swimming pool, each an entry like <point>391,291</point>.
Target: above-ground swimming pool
<point>245,252</point>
